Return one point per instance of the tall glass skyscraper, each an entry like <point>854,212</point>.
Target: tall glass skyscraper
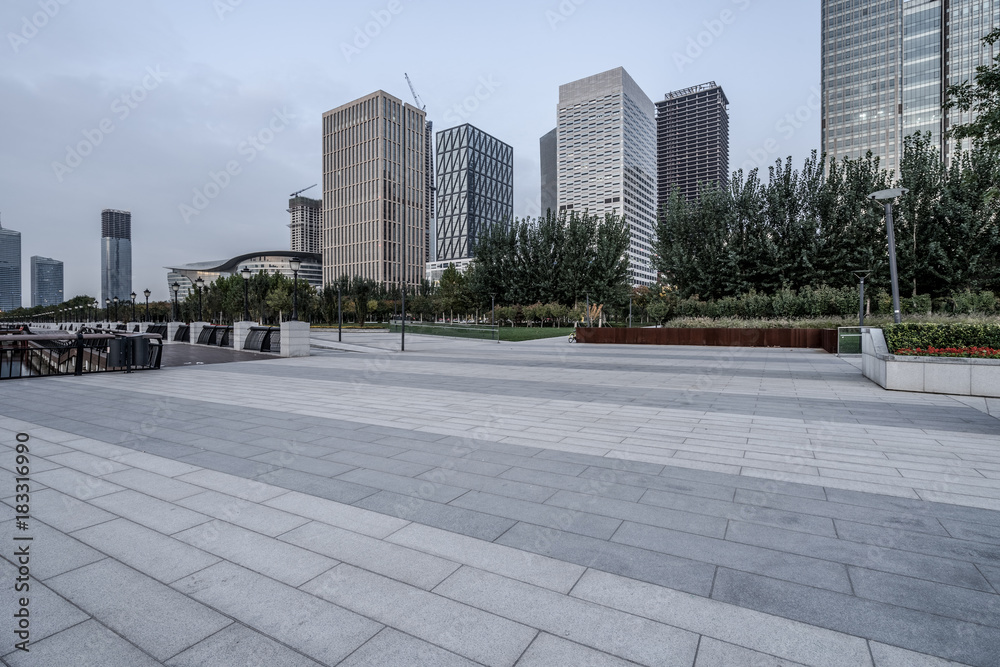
<point>606,150</point>
<point>10,269</point>
<point>46,282</point>
<point>475,190</point>
<point>116,255</point>
<point>886,67</point>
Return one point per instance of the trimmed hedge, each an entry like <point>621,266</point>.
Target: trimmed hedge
<point>913,336</point>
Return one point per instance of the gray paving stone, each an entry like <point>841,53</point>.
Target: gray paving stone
<point>48,613</point>
<point>992,575</point>
<point>945,547</point>
<point>432,460</point>
<point>333,513</point>
<point>145,510</point>
<point>527,460</point>
<point>779,564</point>
<point>234,465</point>
<point>246,489</point>
<point>239,646</point>
<point>315,466</point>
<point>893,656</point>
<point>152,484</point>
<point>75,483</point>
<point>577,484</point>
<point>679,573</point>
<point>713,653</point>
<point>162,448</point>
<point>513,563</point>
<point>390,647</point>
<point>410,566</point>
<point>97,466</point>
<point>448,517</point>
<point>570,520</point>
<point>339,490</point>
<point>148,551</point>
<point>320,630</point>
<point>91,645</point>
<point>253,516</point>
<point>489,484</point>
<point>465,630</point>
<point>62,512</point>
<point>147,613</point>
<point>701,524</point>
<point>241,449</point>
<point>898,561</point>
<point>548,650</point>
<point>608,630</point>
<point>602,462</point>
<point>421,488</point>
<point>265,555</point>
<point>395,466</point>
<point>648,481</point>
<point>52,552</point>
<point>914,507</point>
<point>976,532</point>
<point>932,597</point>
<point>917,631</point>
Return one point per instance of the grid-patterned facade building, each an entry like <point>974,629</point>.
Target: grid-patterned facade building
<point>887,65</point>
<point>374,182</point>
<point>606,148</point>
<point>430,198</point>
<point>692,141</point>
<point>46,281</point>
<point>116,255</point>
<point>10,269</point>
<point>475,189</point>
<point>306,221</point>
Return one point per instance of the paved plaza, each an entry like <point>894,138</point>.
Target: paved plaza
<point>475,503</point>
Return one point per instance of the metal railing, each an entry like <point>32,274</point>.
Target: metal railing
<point>479,331</point>
<point>50,354</point>
<point>220,336</point>
<point>264,339</point>
<point>183,334</point>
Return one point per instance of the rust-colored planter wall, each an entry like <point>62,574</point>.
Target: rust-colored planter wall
<point>825,339</point>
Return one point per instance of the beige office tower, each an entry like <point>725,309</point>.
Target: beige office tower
<point>368,195</point>
<point>306,221</point>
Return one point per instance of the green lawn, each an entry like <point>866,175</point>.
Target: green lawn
<point>516,334</point>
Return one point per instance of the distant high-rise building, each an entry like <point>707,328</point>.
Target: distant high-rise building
<point>10,269</point>
<point>306,215</point>
<point>475,190</point>
<point>430,198</point>
<point>368,194</point>
<point>692,141</point>
<point>547,147</point>
<point>606,149</point>
<point>46,281</point>
<point>116,254</point>
<point>886,66</point>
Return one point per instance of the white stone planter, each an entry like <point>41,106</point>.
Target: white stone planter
<point>932,375</point>
<point>295,339</point>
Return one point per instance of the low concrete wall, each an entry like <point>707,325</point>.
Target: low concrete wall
<point>825,339</point>
<point>932,375</point>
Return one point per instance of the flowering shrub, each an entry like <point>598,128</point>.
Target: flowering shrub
<point>974,352</point>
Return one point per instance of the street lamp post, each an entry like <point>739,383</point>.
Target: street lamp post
<point>146,294</point>
<point>96,306</point>
<point>200,283</point>
<point>175,287</point>
<point>294,263</point>
<point>133,305</point>
<point>115,300</point>
<point>245,273</point>
<point>861,312</point>
<point>629,311</point>
<point>340,317</point>
<point>887,196</point>
<point>107,309</point>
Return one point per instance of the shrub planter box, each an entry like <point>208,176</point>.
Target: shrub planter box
<point>932,375</point>
<point>825,339</point>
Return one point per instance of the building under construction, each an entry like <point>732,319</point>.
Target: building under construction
<point>306,220</point>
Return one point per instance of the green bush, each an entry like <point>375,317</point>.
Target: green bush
<point>755,306</point>
<point>900,336</point>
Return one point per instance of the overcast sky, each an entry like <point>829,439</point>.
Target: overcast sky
<point>135,104</point>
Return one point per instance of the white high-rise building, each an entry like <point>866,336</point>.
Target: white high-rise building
<point>606,158</point>
<point>306,221</point>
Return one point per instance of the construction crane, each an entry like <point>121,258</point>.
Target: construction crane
<point>296,194</point>
<point>416,98</point>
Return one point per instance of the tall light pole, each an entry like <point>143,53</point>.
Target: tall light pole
<point>245,273</point>
<point>107,309</point>
<point>133,305</point>
<point>402,322</point>
<point>96,305</point>
<point>199,284</point>
<point>887,196</point>
<point>146,294</point>
<point>861,313</point>
<point>115,300</point>
<point>294,263</point>
<point>340,316</point>
<point>175,287</point>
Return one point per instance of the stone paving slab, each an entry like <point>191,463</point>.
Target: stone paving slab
<point>530,503</point>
